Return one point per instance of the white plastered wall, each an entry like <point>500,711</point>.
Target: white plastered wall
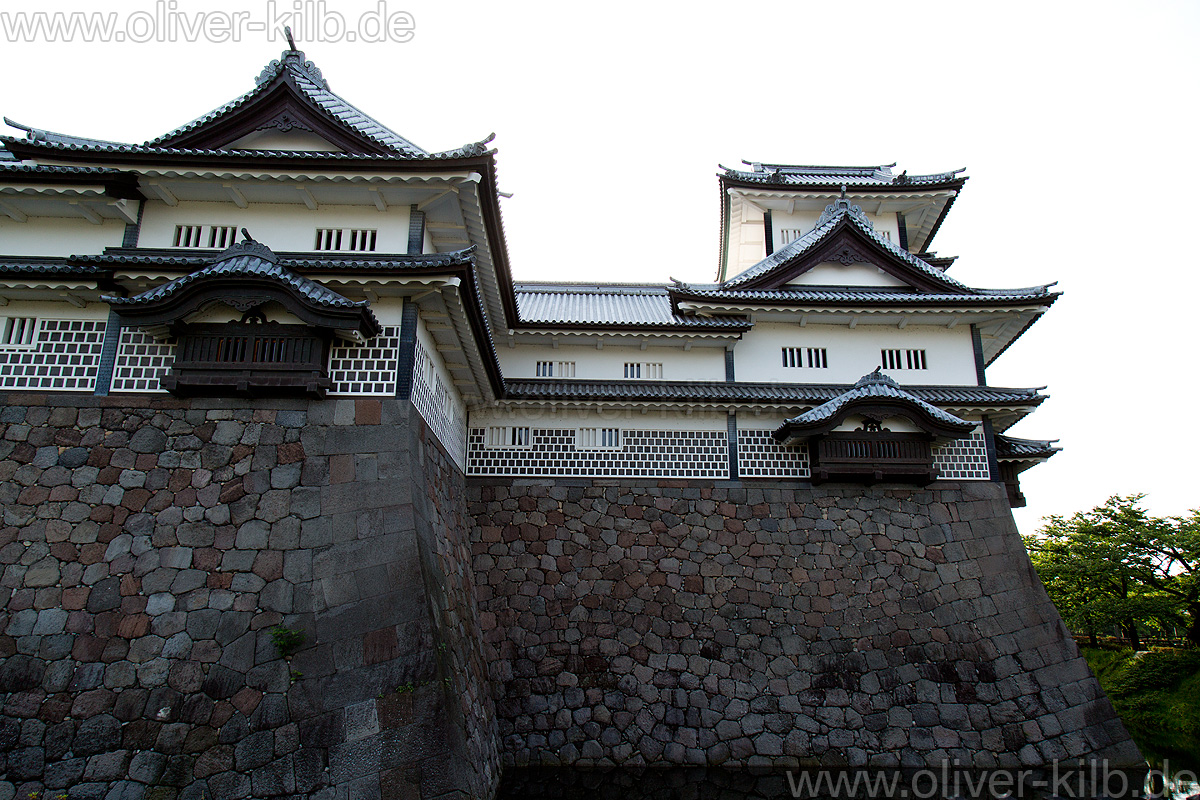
<point>624,418</point>
<point>853,352</point>
<point>835,274</point>
<point>50,310</point>
<point>886,224</point>
<point>58,236</point>
<point>280,227</point>
<point>278,140</point>
<point>748,245</point>
<point>697,364</point>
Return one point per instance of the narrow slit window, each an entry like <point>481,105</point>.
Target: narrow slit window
<point>19,331</point>
<point>805,357</point>
<point>213,237</point>
<point>506,436</point>
<point>639,370</point>
<point>598,439</point>
<point>903,359</point>
<point>555,369</point>
<point>357,240</point>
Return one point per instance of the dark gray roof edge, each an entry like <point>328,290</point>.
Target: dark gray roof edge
<point>286,258</point>
<point>1015,448</point>
<point>45,265</point>
<point>879,175</point>
<point>471,150</point>
<point>57,169</point>
<point>862,295</point>
<point>532,287</point>
<point>722,392</point>
<point>52,137</point>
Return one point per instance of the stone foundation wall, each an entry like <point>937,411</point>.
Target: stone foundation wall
<point>150,545</point>
<point>774,624</point>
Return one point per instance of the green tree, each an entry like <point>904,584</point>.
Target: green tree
<point>1117,565</point>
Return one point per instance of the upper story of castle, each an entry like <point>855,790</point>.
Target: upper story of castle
<point>320,239</point>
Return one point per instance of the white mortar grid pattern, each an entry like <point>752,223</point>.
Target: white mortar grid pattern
<point>964,459</point>
<point>439,405</point>
<point>141,361</point>
<point>368,368</point>
<point>643,454</point>
<point>760,456</point>
<point>65,357</point>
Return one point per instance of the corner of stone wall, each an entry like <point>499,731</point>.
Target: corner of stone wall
<point>150,546</point>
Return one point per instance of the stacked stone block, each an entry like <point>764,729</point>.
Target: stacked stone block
<point>150,547</point>
<point>667,623</point>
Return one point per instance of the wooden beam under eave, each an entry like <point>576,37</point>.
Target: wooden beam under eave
<point>377,196</point>
<point>163,193</point>
<point>424,204</point>
<point>14,212</point>
<point>235,194</point>
<point>308,198</point>
<point>86,212</point>
<point>127,209</point>
<point>75,300</point>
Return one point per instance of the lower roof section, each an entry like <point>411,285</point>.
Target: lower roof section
<point>1004,405</point>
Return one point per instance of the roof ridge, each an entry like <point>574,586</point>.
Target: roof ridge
<point>42,135</point>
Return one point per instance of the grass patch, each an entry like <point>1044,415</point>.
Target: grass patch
<point>1157,695</point>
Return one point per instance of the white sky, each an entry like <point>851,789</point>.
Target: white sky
<point>1077,123</point>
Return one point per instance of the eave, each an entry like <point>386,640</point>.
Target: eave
<point>480,208</point>
<point>1003,405</point>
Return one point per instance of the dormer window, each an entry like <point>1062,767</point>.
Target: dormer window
<point>848,440</point>
<point>358,240</point>
<point>256,355</point>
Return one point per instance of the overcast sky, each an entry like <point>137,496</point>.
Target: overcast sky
<point>1077,123</point>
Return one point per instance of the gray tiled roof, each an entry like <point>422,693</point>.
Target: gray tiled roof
<point>51,137</point>
<point>54,169</point>
<point>871,387</point>
<point>1010,447</point>
<point>43,266</point>
<point>841,211</point>
<point>608,306</point>
<point>721,392</point>
<point>308,80</point>
<point>800,175</point>
<point>245,259</point>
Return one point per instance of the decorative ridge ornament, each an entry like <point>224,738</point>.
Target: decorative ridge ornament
<point>295,60</point>
<point>247,247</point>
<point>843,206</point>
<point>876,377</point>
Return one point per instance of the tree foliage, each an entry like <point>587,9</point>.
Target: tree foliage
<point>1118,566</point>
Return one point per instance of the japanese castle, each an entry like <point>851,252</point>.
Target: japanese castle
<point>306,496</point>
<point>288,244</point>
